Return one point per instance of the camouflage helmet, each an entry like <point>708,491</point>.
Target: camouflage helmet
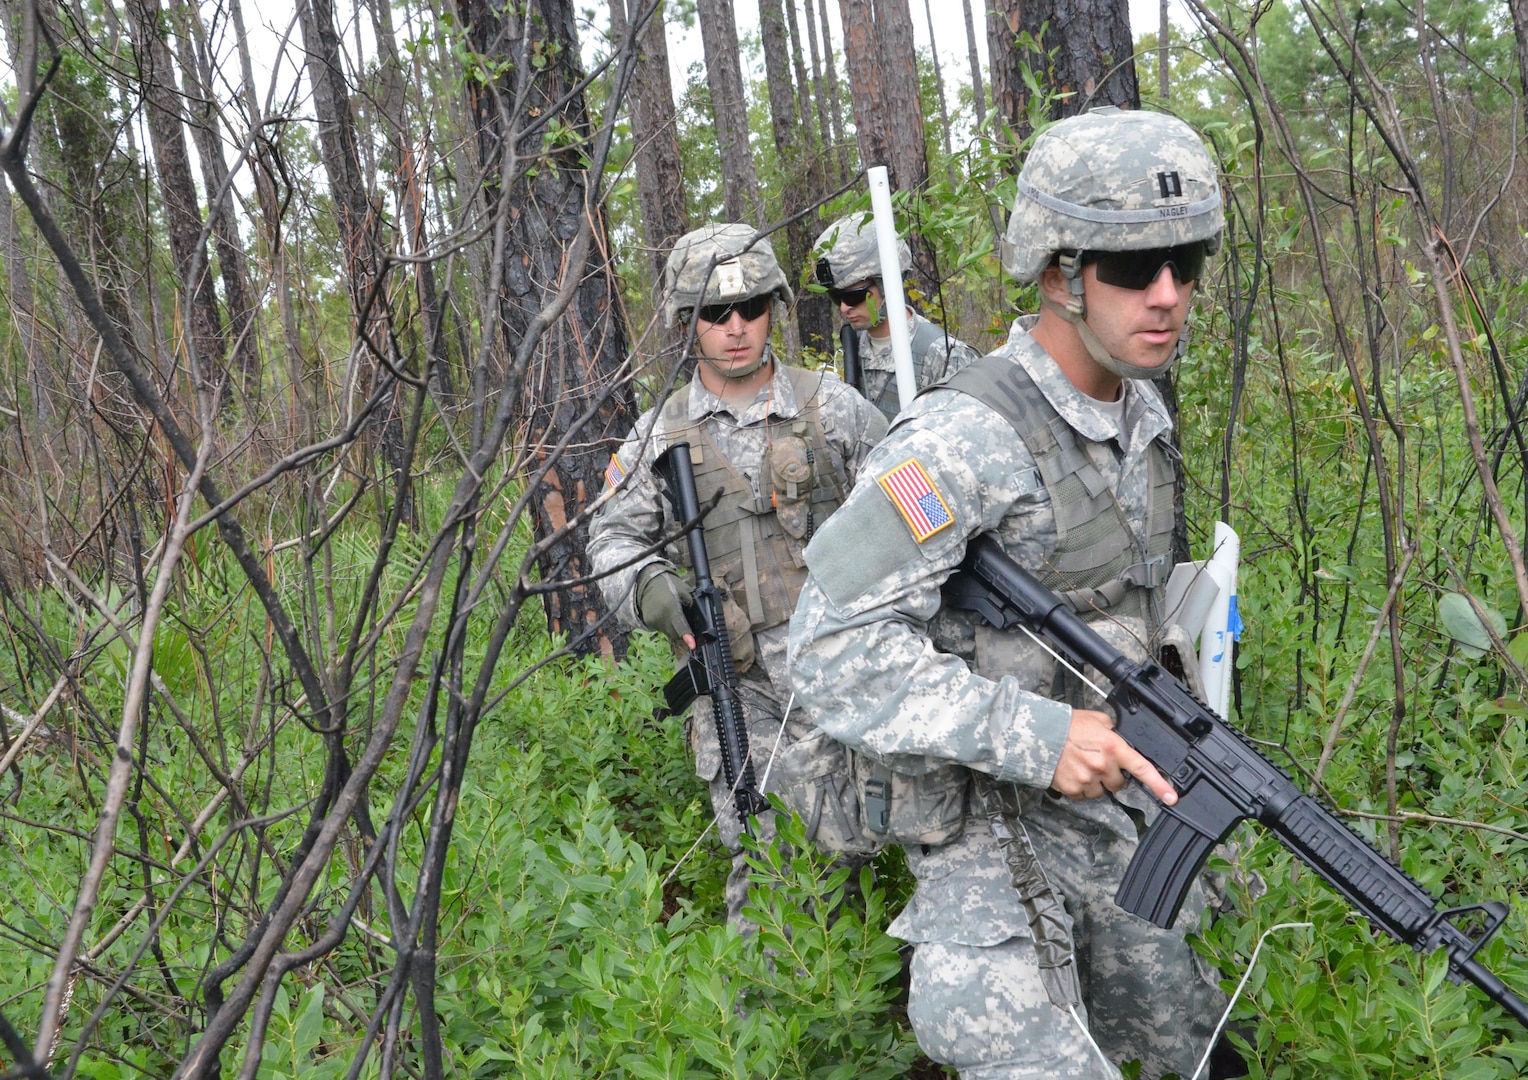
<point>847,252</point>
<point>1111,180</point>
<point>720,264</point>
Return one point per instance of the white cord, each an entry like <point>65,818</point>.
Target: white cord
<point>779,735</point>
<point>1240,987</point>
<point>1224,1017</point>
<point>1048,647</point>
<point>1109,1070</point>
<point>763,786</point>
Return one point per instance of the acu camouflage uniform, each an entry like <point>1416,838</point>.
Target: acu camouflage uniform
<point>967,724</point>
<point>849,256</point>
<point>783,461</point>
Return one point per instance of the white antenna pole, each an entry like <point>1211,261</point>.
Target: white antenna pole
<point>891,283</point>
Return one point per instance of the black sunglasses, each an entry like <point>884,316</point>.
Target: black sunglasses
<point>1138,269</point>
<point>852,297</point>
<point>749,309</point>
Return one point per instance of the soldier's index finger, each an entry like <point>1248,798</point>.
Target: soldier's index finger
<point>1135,763</point>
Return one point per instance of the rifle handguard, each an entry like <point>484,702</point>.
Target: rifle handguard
<point>710,670</point>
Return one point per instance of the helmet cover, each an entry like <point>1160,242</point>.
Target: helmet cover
<point>720,264</point>
<point>1112,180</point>
<point>849,254</point>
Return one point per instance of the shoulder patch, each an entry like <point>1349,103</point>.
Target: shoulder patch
<point>614,474</point>
<point>916,499</point>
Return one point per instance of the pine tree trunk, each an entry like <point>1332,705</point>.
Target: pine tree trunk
<point>1519,9</point>
<point>794,169</point>
<point>826,140</point>
<point>574,392</point>
<point>978,91</point>
<point>944,108</point>
<point>835,99</point>
<point>1093,62</point>
<point>301,413</point>
<point>410,194</point>
<point>1163,26</point>
<point>655,135</point>
<point>182,206</point>
<point>359,220</point>
<point>196,67</point>
<point>741,193</point>
<point>883,77</point>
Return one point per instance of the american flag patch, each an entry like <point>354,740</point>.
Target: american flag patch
<point>916,498</point>
<point>614,474</point>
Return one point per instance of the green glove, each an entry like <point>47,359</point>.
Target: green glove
<point>661,594</point>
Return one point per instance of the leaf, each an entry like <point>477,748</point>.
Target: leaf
<point>1459,621</point>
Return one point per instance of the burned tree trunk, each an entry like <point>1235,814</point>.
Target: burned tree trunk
<point>576,405</point>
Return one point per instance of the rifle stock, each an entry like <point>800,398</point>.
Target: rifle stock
<point>1222,779</point>
<point>709,670</point>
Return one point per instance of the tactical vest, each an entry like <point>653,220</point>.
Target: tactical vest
<point>925,335</point>
<point>755,543</point>
<point>1096,565</point>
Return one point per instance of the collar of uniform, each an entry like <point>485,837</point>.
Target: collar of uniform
<point>879,357</point>
<point>1145,415</point>
<point>778,399</point>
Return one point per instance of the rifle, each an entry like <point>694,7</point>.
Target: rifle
<point>709,670</point>
<point>1222,779</point>
<point>854,375</point>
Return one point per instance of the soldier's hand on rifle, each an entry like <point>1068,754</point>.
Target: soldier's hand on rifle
<point>661,596</point>
<point>1095,760</point>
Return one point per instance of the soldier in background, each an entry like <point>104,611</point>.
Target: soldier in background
<point>849,267</point>
<point>998,765</point>
<point>780,447</point>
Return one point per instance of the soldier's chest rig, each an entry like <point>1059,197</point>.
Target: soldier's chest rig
<point>755,535</point>
<point>1097,563</point>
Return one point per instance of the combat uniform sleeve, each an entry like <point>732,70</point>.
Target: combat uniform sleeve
<point>861,660</point>
<point>631,517</point>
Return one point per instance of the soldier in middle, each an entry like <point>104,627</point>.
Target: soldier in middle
<point>849,267</point>
<point>775,449</point>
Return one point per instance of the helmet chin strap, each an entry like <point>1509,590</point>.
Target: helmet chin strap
<point>737,373</point>
<point>1075,311</point>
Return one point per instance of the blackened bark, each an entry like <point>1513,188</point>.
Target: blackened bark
<point>574,390</point>
<point>741,193</point>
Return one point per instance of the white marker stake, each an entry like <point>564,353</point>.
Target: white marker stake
<point>1222,626</point>
<point>891,284</point>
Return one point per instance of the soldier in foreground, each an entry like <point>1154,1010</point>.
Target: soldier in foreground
<point>1056,445</point>
<point>782,447</point>
<point>849,267</point>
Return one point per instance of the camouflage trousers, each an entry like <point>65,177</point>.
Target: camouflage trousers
<point>1146,994</point>
<point>806,767</point>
